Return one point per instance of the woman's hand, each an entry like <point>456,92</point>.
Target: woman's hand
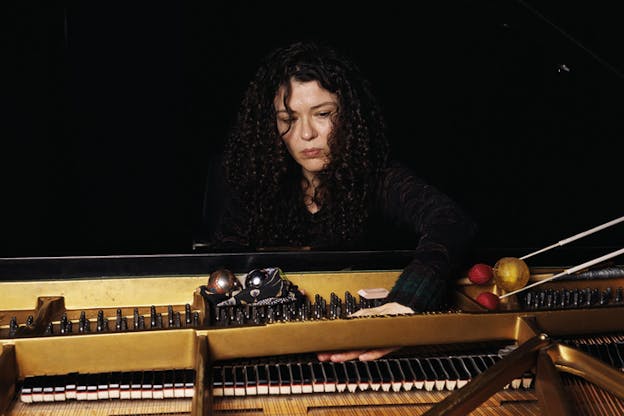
<point>362,355</point>
<point>391,308</point>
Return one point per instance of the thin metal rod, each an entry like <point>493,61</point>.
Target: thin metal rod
<point>576,237</point>
<point>568,271</point>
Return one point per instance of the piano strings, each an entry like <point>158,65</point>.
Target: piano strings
<point>422,369</point>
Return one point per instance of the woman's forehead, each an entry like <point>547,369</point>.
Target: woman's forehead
<point>309,94</point>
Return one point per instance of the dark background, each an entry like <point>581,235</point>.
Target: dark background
<point>111,109</point>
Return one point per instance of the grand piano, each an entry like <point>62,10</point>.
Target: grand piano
<point>142,340</point>
<point>130,334</point>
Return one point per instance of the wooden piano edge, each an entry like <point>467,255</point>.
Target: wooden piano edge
<point>8,376</point>
<point>190,348</point>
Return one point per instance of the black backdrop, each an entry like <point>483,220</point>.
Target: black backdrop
<point>110,110</point>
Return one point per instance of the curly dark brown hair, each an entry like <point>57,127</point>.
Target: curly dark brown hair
<point>258,166</point>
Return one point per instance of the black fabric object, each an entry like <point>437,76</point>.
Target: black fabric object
<point>272,288</point>
<point>211,299</point>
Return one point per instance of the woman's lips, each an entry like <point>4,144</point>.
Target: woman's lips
<point>311,153</point>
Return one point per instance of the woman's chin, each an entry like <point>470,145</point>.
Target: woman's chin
<point>312,166</point>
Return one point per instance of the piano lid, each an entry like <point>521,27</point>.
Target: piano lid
<point>77,267</point>
<point>32,268</point>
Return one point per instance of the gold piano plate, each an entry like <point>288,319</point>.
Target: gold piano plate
<point>198,348</point>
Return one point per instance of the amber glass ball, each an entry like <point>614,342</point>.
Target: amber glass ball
<point>511,273</point>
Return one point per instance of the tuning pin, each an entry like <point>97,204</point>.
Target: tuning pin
<point>13,327</point>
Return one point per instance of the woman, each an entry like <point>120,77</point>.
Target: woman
<point>307,165</point>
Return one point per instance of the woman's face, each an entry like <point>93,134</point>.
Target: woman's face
<point>313,110</point>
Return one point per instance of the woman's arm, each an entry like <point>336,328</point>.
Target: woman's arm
<point>443,235</point>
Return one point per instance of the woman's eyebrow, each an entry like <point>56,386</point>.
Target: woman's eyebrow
<point>314,107</point>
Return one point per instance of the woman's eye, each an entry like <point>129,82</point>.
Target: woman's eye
<point>324,114</point>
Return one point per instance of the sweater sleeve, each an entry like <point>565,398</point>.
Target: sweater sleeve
<point>444,234</point>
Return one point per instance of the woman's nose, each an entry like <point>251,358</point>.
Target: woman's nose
<point>308,132</point>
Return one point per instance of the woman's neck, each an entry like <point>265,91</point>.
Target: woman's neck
<point>309,185</point>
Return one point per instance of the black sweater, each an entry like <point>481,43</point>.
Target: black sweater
<point>407,213</point>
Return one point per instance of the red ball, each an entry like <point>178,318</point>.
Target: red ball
<point>488,300</point>
<point>480,274</point>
